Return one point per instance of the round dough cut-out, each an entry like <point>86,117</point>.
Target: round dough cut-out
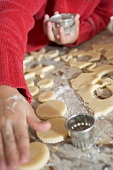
<point>39,156</point>
<point>33,90</point>
<point>51,109</point>
<point>46,96</point>
<point>45,83</point>
<point>56,133</point>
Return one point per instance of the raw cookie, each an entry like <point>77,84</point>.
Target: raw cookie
<point>56,133</point>
<point>51,109</point>
<point>79,64</point>
<point>45,83</point>
<point>45,69</point>
<point>46,96</point>
<point>28,59</point>
<point>30,82</point>
<point>39,156</point>
<point>33,90</point>
<point>52,53</point>
<point>29,75</point>
<point>109,55</point>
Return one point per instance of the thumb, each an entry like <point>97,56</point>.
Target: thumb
<point>36,123</point>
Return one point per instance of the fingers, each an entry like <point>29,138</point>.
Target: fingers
<point>56,12</point>
<point>36,123</point>
<point>46,18</point>
<point>10,147</point>
<point>2,156</point>
<point>62,36</point>
<point>48,28</point>
<point>22,140</point>
<point>50,33</point>
<point>77,22</point>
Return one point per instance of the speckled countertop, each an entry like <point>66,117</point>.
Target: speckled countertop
<point>64,156</point>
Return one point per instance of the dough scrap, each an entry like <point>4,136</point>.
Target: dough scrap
<point>79,64</point>
<point>51,109</point>
<point>87,83</point>
<point>46,96</point>
<point>45,83</point>
<point>100,107</point>
<point>45,69</point>
<point>33,90</point>
<point>28,59</point>
<point>39,156</point>
<point>109,55</point>
<point>56,133</point>
<point>35,69</point>
<point>29,75</point>
<point>84,79</point>
<point>52,53</point>
<point>30,82</point>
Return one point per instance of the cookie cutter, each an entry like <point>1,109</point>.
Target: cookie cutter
<point>81,129</point>
<point>66,20</point>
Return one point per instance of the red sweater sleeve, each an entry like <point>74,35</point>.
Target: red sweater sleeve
<point>15,23</point>
<point>96,22</point>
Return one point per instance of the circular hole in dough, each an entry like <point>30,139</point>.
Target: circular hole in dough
<point>45,83</point>
<point>56,133</point>
<point>51,109</point>
<point>108,75</point>
<point>46,96</point>
<point>33,90</point>
<point>102,93</point>
<point>39,156</point>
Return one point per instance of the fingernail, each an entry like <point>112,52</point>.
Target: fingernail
<point>78,16</point>
<point>24,159</point>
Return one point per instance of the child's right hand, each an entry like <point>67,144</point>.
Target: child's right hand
<point>61,38</point>
<point>15,115</point>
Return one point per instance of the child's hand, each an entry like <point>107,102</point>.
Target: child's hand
<point>15,113</point>
<point>61,38</point>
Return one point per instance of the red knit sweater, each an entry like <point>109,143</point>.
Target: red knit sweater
<point>21,30</point>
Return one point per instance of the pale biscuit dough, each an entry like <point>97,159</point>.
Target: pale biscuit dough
<point>79,64</point>
<point>29,75</point>
<point>102,70</point>
<point>73,51</point>
<point>30,82</point>
<point>109,55</point>
<point>91,67</point>
<point>46,96</point>
<point>51,109</point>
<point>84,79</point>
<point>87,83</point>
<point>95,55</point>
<point>100,47</point>
<point>56,133</point>
<point>100,107</point>
<point>28,59</point>
<point>52,53</point>
<point>56,59</point>
<point>35,69</point>
<point>33,90</point>
<point>66,58</point>
<point>45,83</point>
<point>39,156</point>
<point>45,70</point>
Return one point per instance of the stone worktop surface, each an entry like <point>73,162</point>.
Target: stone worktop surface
<point>64,156</point>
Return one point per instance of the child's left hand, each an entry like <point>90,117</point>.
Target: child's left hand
<point>61,38</point>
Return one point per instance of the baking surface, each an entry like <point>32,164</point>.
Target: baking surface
<point>64,155</point>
